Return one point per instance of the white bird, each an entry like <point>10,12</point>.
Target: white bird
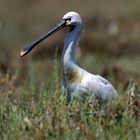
<point>76,82</point>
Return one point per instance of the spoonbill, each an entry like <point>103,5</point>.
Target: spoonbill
<point>76,82</point>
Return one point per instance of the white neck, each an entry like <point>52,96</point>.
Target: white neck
<point>68,56</point>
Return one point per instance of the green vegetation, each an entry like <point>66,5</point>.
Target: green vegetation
<point>31,112</point>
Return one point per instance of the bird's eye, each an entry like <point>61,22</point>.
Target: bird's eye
<point>68,19</point>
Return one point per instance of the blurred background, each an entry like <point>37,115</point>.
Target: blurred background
<point>109,46</point>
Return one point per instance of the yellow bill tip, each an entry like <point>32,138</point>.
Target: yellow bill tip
<point>22,53</point>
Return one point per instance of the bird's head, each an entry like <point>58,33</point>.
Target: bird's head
<point>69,19</point>
<point>72,18</point>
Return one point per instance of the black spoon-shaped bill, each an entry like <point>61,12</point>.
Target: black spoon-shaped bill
<point>28,48</point>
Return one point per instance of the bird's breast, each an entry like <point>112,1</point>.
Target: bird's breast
<point>74,76</point>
